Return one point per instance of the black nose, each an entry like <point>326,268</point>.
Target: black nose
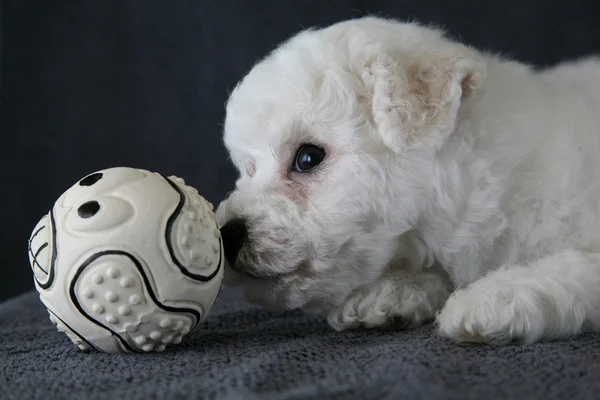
<point>234,234</point>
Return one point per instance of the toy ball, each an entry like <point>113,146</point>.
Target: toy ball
<point>127,261</point>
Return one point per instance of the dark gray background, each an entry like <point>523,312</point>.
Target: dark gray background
<point>87,85</point>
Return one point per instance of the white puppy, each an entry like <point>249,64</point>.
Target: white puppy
<point>390,176</point>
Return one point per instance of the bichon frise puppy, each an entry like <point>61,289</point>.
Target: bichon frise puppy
<point>390,176</point>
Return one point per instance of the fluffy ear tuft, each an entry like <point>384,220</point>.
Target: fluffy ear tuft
<point>415,102</point>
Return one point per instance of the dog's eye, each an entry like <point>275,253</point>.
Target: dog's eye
<point>308,157</point>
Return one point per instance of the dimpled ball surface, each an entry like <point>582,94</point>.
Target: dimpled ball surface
<point>127,260</point>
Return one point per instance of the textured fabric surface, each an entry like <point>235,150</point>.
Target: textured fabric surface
<point>244,352</point>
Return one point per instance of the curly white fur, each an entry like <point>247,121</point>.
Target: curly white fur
<point>447,170</point>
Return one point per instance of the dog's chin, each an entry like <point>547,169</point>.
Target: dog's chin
<point>258,290</point>
<point>276,293</point>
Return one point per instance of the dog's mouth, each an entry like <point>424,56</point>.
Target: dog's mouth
<point>256,260</point>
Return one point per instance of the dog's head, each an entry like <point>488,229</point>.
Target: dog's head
<point>334,136</point>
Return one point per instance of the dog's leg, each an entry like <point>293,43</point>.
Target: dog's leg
<point>400,299</point>
<point>555,297</point>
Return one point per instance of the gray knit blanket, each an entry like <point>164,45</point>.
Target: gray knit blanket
<point>244,352</point>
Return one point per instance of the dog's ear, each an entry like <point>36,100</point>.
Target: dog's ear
<point>415,102</point>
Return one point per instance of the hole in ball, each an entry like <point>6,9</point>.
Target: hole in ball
<point>90,179</point>
<point>89,209</point>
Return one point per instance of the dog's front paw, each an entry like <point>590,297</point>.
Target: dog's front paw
<point>493,313</point>
<point>392,303</point>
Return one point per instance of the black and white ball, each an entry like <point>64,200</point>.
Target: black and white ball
<point>127,261</point>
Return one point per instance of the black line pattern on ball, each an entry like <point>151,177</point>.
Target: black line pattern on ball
<point>73,330</point>
<point>35,262</point>
<point>36,255</point>
<point>36,232</point>
<point>170,223</point>
<point>147,285</point>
